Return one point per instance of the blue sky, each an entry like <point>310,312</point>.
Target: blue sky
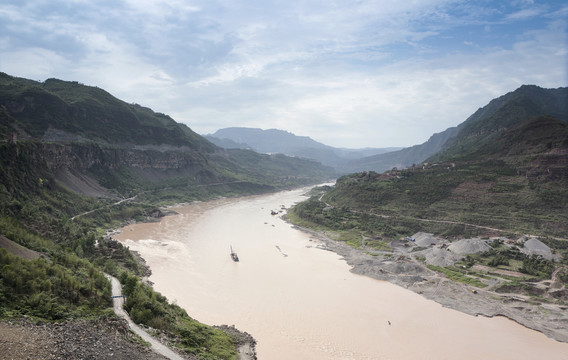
<point>349,73</point>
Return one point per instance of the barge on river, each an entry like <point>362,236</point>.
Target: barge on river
<point>234,255</point>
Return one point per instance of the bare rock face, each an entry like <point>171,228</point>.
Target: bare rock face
<point>86,155</point>
<point>76,164</point>
<point>246,344</point>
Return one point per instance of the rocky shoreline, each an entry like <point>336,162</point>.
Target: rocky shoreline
<point>246,344</point>
<point>549,318</point>
<point>103,338</point>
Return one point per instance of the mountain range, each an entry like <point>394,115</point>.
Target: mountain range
<point>486,123</point>
<point>95,144</point>
<point>280,141</point>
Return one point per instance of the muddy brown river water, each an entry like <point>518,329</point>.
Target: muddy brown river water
<point>302,302</point>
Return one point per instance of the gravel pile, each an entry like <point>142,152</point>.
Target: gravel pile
<point>424,239</point>
<point>537,247</point>
<point>469,246</point>
<point>441,257</point>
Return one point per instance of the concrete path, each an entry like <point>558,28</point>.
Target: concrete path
<point>157,346</point>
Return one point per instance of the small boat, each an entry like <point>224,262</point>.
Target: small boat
<point>234,255</point>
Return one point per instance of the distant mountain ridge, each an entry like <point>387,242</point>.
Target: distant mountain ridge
<point>267,141</point>
<point>489,122</point>
<point>280,141</point>
<point>405,157</point>
<point>476,131</point>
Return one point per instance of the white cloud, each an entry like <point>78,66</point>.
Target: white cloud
<point>162,8</point>
<point>347,73</point>
<point>34,63</point>
<point>525,14</point>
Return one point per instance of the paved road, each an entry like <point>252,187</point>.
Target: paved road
<point>157,346</point>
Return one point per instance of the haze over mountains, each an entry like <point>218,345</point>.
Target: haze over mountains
<point>486,123</point>
<point>154,147</point>
<point>280,141</point>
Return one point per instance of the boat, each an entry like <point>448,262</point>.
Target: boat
<point>234,255</point>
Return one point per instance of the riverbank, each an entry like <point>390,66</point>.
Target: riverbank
<point>284,276</point>
<point>411,273</point>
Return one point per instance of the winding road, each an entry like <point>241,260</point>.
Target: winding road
<point>109,205</point>
<point>156,346</point>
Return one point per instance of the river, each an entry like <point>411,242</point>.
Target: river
<point>302,302</point>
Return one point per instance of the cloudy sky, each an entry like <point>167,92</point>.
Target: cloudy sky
<point>348,73</point>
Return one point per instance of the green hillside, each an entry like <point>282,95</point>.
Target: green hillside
<point>519,185</point>
<point>506,167</point>
<point>487,124</point>
<point>477,131</point>
<point>98,145</point>
<point>89,113</point>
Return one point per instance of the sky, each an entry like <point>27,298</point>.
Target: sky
<point>347,73</point>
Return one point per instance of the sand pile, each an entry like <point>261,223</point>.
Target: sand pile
<point>537,247</point>
<point>469,246</point>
